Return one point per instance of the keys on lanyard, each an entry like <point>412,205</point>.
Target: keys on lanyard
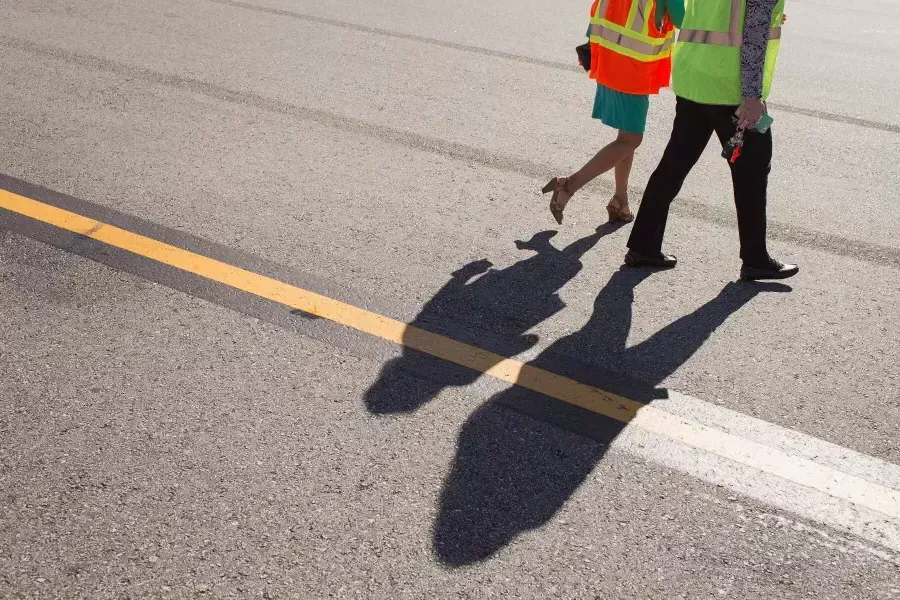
<point>732,150</point>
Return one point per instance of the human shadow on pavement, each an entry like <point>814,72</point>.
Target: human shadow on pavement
<point>489,308</point>
<point>512,473</point>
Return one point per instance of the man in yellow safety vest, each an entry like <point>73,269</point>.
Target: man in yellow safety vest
<point>724,64</point>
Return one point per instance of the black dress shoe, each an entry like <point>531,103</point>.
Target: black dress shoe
<point>658,261</point>
<point>774,270</point>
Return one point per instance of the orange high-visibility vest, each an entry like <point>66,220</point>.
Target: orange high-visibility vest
<point>629,53</point>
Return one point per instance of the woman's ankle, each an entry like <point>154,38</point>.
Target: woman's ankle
<point>572,186</point>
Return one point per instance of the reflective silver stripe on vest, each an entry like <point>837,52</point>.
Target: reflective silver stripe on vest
<point>640,18</point>
<point>601,10</point>
<point>735,23</point>
<point>626,42</point>
<point>719,38</point>
<point>733,37</point>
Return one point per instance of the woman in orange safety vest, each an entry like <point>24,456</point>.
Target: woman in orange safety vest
<point>631,57</point>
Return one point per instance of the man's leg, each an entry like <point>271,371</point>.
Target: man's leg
<point>750,179</point>
<point>690,134</point>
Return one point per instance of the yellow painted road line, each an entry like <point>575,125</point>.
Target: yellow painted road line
<point>686,432</point>
<point>499,367</point>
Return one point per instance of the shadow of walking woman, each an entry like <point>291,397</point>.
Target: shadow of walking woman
<point>490,308</point>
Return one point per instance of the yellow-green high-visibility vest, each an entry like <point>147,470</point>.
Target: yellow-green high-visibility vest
<point>707,55</point>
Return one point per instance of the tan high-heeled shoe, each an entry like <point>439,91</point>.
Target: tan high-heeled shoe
<point>618,210</point>
<point>558,185</point>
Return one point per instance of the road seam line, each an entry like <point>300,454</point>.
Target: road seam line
<point>456,151</point>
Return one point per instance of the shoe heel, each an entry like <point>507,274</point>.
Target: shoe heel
<point>550,187</point>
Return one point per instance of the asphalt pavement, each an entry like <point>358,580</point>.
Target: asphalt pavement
<point>166,435</point>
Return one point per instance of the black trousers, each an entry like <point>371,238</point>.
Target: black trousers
<point>694,125</point>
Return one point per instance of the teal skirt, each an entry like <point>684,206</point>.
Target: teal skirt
<point>619,110</point>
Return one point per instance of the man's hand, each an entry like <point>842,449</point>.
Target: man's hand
<point>750,113</point>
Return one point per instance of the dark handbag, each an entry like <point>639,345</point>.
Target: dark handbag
<point>584,55</point>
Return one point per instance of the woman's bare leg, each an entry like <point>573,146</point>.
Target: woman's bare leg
<point>623,171</point>
<point>621,149</point>
<point>618,205</point>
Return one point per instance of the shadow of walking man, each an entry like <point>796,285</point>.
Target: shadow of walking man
<point>489,308</point>
<point>512,473</point>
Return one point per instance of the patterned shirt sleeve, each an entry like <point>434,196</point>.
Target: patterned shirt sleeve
<point>757,27</point>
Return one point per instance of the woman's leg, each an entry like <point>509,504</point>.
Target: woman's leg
<point>618,206</point>
<point>623,171</point>
<point>614,153</point>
